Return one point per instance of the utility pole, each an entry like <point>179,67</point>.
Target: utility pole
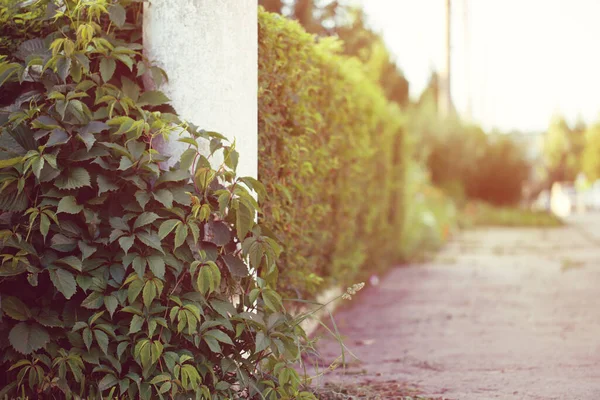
<point>444,93</point>
<point>469,111</point>
<point>229,74</point>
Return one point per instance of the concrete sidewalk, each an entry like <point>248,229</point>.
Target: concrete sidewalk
<point>501,313</point>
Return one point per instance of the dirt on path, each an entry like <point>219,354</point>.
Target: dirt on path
<point>502,313</point>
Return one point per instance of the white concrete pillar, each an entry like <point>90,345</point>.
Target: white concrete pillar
<point>209,49</point>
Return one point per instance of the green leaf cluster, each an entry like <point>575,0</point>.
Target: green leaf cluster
<point>120,277</point>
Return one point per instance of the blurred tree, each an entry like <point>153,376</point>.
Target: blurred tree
<point>429,95</point>
<point>304,12</point>
<point>590,163</point>
<point>274,6</point>
<point>501,172</point>
<point>336,18</point>
<point>462,159</point>
<point>456,152</point>
<point>563,148</point>
<point>362,42</point>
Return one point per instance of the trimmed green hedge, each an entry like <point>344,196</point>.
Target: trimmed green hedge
<point>332,156</point>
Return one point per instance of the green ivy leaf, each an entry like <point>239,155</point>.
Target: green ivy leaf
<point>49,318</point>
<point>11,162</point>
<point>255,185</point>
<point>232,160</point>
<point>105,185</point>
<point>108,381</point>
<point>121,348</point>
<point>86,249</point>
<point>152,98</point>
<point>61,108</point>
<point>94,301</point>
<point>262,342</point>
<point>149,293</point>
<point>145,353</point>
<point>72,262</point>
<point>224,201</point>
<point>94,127</point>
<point>213,344</point>
<point>117,15</point>
<point>209,278</point>
<point>119,223</point>
<point>7,70</point>
<point>37,166</point>
<point>63,67</point>
<point>44,225</point>
<point>126,242</point>
<point>64,281</point>
<point>126,124</point>
<point>15,308</point>
<point>57,136</point>
<point>136,148</point>
<point>144,219</point>
<point>187,158</point>
<point>125,164</point>
<point>136,324</point>
<point>272,300</point>
<point>142,198</point>
<point>134,289</point>
<point>63,243</point>
<point>180,235</point>
<point>244,221</point>
<point>159,76</point>
<point>84,282</point>
<point>88,140</point>
<point>27,338</point>
<point>167,227</point>
<point>221,386</point>
<point>102,340</point>
<point>164,197</point>
<point>150,239</point>
<point>111,303</point>
<point>157,266</point>
<point>117,272</point>
<point>87,337</point>
<point>220,336</point>
<point>139,266</point>
<point>160,378</point>
<point>224,308</point>
<point>107,68</point>
<point>69,205</point>
<point>129,88</point>
<point>194,310</point>
<point>253,295</point>
<point>114,235</point>
<point>173,176</point>
<point>74,179</point>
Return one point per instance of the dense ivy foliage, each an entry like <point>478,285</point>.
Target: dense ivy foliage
<point>19,24</point>
<point>331,155</point>
<point>120,277</point>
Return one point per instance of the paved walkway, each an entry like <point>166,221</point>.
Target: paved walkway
<point>500,314</point>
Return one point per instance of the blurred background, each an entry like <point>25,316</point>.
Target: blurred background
<point>497,101</point>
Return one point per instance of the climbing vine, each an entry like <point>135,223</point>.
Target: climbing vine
<point>120,277</point>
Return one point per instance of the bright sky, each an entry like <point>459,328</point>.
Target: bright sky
<point>529,59</point>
